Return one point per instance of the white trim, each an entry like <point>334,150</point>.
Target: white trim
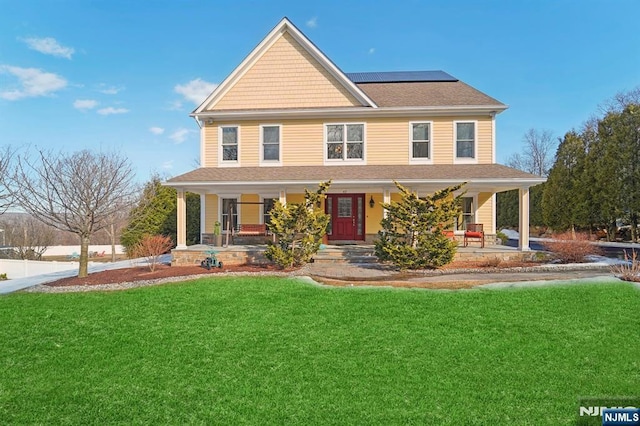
<point>228,163</point>
<point>270,163</point>
<point>352,112</point>
<point>238,198</point>
<point>465,160</point>
<point>283,26</point>
<point>428,160</point>
<point>344,160</point>
<point>203,214</point>
<point>494,215</point>
<point>203,159</point>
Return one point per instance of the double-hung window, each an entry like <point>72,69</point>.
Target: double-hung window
<point>344,142</point>
<point>467,213</point>
<point>229,142</point>
<point>270,137</point>
<point>420,134</point>
<point>465,140</point>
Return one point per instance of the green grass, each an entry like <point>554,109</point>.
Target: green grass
<point>274,351</point>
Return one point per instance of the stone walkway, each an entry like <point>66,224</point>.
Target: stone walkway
<point>378,274</point>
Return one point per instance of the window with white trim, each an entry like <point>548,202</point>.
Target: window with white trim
<point>467,214</point>
<point>229,207</point>
<point>270,143</point>
<point>229,141</point>
<point>344,142</point>
<point>465,140</point>
<point>421,141</point>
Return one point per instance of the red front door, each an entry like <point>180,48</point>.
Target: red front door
<point>347,216</point>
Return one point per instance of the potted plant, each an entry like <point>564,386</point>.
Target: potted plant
<point>217,235</point>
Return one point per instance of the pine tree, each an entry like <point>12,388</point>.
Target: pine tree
<point>412,234</point>
<point>561,204</point>
<point>299,228</point>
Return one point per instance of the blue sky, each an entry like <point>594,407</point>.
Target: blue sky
<point>124,75</point>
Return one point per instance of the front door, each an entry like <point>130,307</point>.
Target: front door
<point>347,216</point>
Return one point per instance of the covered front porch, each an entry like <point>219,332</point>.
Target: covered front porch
<point>235,202</point>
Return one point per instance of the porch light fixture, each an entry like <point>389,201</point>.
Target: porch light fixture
<point>371,202</point>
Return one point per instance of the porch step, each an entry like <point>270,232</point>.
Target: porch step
<point>346,254</point>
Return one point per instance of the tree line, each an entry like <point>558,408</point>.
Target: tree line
<point>594,181</point>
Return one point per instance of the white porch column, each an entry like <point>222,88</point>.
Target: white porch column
<point>203,214</point>
<point>181,221</point>
<point>283,197</point>
<point>386,198</point>
<point>523,201</point>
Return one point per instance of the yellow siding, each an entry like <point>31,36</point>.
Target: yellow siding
<point>250,213</point>
<point>295,198</point>
<point>373,215</point>
<point>387,140</point>
<point>211,212</point>
<point>485,212</point>
<point>210,146</point>
<point>286,76</point>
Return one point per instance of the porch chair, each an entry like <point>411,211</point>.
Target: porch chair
<point>474,231</point>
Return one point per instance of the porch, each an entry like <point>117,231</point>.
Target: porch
<point>360,253</point>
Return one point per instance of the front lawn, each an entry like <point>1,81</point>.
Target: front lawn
<point>277,351</point>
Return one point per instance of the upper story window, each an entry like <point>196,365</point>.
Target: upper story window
<point>344,142</point>
<point>465,141</point>
<point>229,137</point>
<point>270,137</point>
<point>420,134</point>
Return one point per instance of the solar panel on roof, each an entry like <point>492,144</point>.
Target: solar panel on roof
<point>399,76</point>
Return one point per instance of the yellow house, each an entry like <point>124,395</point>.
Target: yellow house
<point>288,118</point>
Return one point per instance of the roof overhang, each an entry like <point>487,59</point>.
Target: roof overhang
<point>348,112</point>
<point>473,185</point>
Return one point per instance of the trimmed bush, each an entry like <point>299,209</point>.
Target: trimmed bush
<point>571,248</point>
<point>152,247</point>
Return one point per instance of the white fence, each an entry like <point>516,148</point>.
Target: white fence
<point>28,268</point>
<point>67,250</point>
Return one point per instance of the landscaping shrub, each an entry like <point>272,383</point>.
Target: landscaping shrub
<point>298,228</point>
<point>629,271</point>
<point>571,248</point>
<point>412,235</point>
<point>152,247</point>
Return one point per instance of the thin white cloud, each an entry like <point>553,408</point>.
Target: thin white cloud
<point>84,104</point>
<point>175,105</point>
<point>179,135</point>
<point>32,82</point>
<point>167,165</point>
<point>195,91</point>
<point>156,130</point>
<point>49,46</point>
<point>112,110</point>
<point>372,51</point>
<point>313,22</point>
<point>109,90</point>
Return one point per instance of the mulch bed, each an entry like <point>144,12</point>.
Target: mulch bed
<point>142,273</point>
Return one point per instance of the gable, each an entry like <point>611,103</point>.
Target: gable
<point>286,75</point>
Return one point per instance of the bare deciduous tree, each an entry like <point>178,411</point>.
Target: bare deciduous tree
<point>538,154</point>
<point>6,156</point>
<point>76,192</point>
<point>28,237</point>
